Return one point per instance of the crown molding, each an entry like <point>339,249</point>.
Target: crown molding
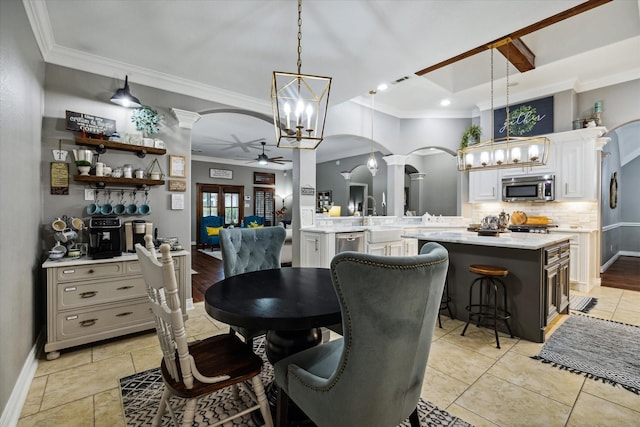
<point>40,25</point>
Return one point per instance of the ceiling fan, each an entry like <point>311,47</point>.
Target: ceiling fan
<point>263,159</point>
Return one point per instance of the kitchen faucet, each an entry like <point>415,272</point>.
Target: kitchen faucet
<point>374,204</point>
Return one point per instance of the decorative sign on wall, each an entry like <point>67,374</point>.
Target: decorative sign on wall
<point>527,119</point>
<point>177,201</point>
<point>307,190</point>
<point>87,123</point>
<point>178,166</point>
<point>175,185</point>
<point>221,173</point>
<point>59,178</point>
<point>264,178</point>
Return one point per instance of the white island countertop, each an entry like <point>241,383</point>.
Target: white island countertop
<point>530,241</point>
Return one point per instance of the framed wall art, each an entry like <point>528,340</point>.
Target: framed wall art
<point>178,166</point>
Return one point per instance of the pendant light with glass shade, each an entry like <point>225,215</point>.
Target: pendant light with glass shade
<point>299,103</point>
<point>508,152</point>
<point>372,163</point>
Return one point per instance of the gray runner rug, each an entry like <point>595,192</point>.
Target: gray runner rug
<point>599,349</point>
<point>582,303</point>
<point>141,393</point>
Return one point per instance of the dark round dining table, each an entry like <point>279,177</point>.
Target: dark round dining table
<point>291,303</point>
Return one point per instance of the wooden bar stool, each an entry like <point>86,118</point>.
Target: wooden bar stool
<point>490,283</point>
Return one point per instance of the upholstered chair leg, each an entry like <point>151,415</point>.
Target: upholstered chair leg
<point>157,420</point>
<point>414,419</point>
<point>282,409</point>
<point>189,413</point>
<point>261,397</point>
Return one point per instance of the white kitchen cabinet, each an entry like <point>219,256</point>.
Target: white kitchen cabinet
<point>393,248</point>
<point>484,186</point>
<point>583,271</point>
<point>410,247</point>
<point>577,177</point>
<point>317,249</point>
<point>93,300</point>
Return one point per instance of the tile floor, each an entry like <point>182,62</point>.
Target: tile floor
<point>467,376</point>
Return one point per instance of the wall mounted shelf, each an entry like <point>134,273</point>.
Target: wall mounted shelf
<point>101,145</point>
<point>104,181</point>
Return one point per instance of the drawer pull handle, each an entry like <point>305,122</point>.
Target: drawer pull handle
<point>88,294</point>
<point>90,271</point>
<point>126,313</point>
<point>68,271</point>
<point>124,288</point>
<point>88,322</point>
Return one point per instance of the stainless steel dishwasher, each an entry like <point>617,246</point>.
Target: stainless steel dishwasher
<point>350,241</point>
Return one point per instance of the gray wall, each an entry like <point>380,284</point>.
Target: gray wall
<point>242,175</point>
<point>22,75</point>
<point>622,225</point>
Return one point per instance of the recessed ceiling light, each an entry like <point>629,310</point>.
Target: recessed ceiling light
<point>383,86</point>
<point>445,102</point>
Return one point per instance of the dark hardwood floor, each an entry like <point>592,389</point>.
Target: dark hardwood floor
<point>209,270</point>
<point>623,274</point>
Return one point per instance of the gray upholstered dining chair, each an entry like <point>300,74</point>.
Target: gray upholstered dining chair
<point>373,375</point>
<point>250,249</point>
<point>194,370</point>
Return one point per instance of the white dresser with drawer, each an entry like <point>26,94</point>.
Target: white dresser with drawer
<point>91,300</point>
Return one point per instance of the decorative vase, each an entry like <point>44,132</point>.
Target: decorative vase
<point>84,170</point>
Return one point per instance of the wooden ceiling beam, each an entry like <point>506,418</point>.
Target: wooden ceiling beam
<point>516,35</point>
<point>518,54</point>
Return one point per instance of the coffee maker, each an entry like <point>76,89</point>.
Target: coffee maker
<point>105,237</point>
<point>134,232</point>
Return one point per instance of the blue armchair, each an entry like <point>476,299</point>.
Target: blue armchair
<point>210,236</point>
<point>252,218</point>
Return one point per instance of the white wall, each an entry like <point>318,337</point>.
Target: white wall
<point>22,76</point>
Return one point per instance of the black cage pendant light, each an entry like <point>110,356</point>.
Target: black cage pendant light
<point>299,104</point>
<point>124,98</point>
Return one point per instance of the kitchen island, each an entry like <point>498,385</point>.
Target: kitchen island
<point>538,280</point>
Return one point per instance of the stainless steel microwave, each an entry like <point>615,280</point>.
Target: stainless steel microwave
<point>539,188</point>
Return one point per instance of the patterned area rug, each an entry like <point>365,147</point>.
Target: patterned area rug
<point>141,394</point>
<point>599,349</point>
<point>582,303</point>
<point>212,253</point>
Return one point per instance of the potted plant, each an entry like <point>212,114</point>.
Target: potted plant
<point>470,136</point>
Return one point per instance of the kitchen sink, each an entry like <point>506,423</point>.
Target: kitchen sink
<point>384,234</point>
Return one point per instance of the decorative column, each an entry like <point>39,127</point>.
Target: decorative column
<point>186,119</point>
<point>303,204</point>
<point>415,192</point>
<point>395,184</point>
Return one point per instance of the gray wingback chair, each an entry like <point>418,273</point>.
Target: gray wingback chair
<point>250,249</point>
<point>373,375</point>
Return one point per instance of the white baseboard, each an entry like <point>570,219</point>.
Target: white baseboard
<point>629,253</point>
<point>11,412</point>
<point>189,304</point>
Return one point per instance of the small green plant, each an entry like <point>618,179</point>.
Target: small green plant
<point>83,163</point>
<point>471,135</point>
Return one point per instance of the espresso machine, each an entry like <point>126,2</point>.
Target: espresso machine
<point>134,232</point>
<point>105,237</point>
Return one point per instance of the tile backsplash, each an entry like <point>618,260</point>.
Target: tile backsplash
<point>564,214</point>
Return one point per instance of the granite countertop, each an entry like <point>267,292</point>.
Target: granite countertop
<point>530,241</point>
<point>84,260</point>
